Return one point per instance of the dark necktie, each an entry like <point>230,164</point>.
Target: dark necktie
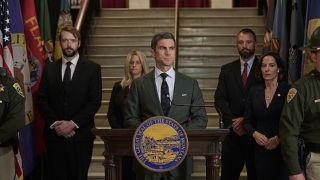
<point>244,74</point>
<point>67,74</point>
<point>165,98</point>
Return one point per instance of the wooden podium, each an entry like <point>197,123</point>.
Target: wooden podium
<point>202,142</point>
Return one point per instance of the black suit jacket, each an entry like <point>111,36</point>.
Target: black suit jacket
<point>79,102</point>
<point>258,116</point>
<point>143,102</point>
<point>117,104</point>
<point>230,96</point>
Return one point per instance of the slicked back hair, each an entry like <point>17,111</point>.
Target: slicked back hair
<point>163,35</point>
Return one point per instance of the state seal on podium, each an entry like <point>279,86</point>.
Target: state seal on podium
<point>160,144</point>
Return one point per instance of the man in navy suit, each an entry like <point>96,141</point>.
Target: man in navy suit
<point>235,80</point>
<point>145,101</point>
<point>68,98</point>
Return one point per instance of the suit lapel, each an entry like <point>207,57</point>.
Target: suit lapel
<point>77,71</point>
<point>251,77</point>
<point>237,74</point>
<point>176,91</point>
<point>57,71</point>
<point>153,91</point>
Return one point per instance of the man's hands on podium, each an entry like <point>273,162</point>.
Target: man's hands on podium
<point>65,128</point>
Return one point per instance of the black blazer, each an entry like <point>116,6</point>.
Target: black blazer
<point>79,102</point>
<point>230,96</point>
<point>260,118</point>
<point>116,105</point>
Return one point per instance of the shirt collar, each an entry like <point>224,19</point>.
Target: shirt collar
<point>170,72</point>
<point>249,62</point>
<point>74,61</point>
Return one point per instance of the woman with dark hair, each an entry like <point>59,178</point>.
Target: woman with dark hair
<point>262,115</point>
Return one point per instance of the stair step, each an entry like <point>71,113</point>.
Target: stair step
<point>184,21</point>
<point>96,175</point>
<point>184,50</point>
<point>184,12</point>
<point>183,40</point>
<point>150,30</point>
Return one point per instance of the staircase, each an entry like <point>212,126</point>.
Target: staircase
<point>207,40</point>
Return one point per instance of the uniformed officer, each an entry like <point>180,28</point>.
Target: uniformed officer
<point>301,118</point>
<point>12,118</point>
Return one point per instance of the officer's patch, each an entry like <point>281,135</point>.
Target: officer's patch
<point>17,87</point>
<point>160,144</point>
<point>292,92</point>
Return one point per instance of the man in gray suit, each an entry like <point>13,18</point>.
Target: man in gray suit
<point>183,101</point>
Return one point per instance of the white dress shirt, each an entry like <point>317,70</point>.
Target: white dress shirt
<point>249,62</point>
<point>73,65</point>
<point>170,81</point>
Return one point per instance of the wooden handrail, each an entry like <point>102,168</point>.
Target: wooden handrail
<point>176,32</point>
<point>81,14</point>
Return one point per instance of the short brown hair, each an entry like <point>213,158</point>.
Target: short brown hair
<point>163,35</point>
<point>71,30</point>
<point>248,31</point>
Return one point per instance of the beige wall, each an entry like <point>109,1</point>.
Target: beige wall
<point>221,4</point>
<point>145,4</point>
<point>139,4</point>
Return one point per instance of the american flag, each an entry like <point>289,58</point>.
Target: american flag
<point>6,61</point>
<point>6,58</point>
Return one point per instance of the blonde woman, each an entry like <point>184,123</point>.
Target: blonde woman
<point>134,66</point>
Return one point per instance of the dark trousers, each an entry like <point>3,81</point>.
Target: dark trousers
<point>237,151</point>
<point>68,160</point>
<point>269,164</point>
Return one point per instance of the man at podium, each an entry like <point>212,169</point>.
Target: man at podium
<point>165,92</point>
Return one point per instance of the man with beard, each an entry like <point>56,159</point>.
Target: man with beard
<point>68,98</point>
<point>235,80</point>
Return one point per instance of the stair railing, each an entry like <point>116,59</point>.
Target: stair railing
<point>176,32</point>
<point>86,11</point>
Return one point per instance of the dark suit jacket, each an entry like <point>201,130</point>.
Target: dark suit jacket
<point>143,102</point>
<point>116,105</point>
<point>230,96</point>
<point>258,116</point>
<point>79,102</point>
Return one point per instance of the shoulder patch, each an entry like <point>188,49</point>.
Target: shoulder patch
<point>292,92</point>
<point>17,87</point>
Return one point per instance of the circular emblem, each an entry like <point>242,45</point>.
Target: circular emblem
<point>160,144</point>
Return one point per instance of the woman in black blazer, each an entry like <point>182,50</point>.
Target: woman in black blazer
<point>262,115</point>
<point>135,66</point>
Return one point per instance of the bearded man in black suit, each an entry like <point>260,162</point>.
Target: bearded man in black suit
<point>69,96</point>
<point>235,80</point>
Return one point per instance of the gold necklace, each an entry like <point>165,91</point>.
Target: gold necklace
<point>269,93</point>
